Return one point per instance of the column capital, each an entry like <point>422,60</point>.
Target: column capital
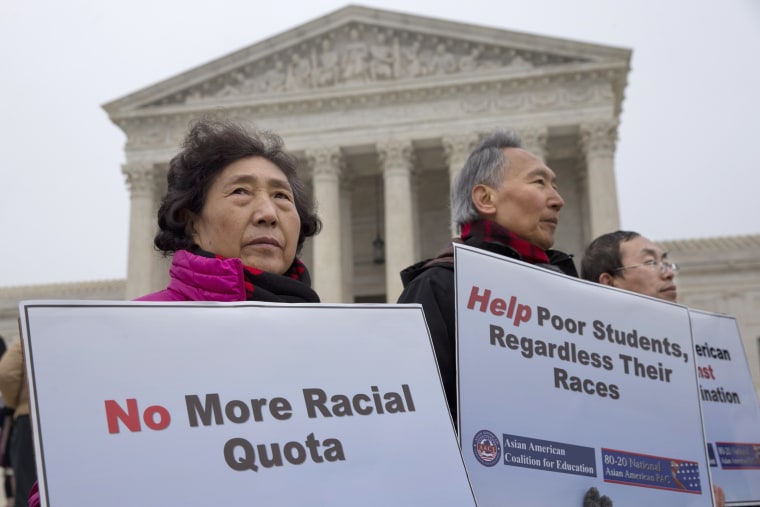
<point>534,140</point>
<point>599,138</point>
<point>140,178</point>
<point>325,161</point>
<point>326,164</point>
<point>457,147</point>
<point>394,154</point>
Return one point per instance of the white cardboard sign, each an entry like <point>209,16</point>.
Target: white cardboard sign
<point>729,406</point>
<point>198,404</point>
<point>565,385</point>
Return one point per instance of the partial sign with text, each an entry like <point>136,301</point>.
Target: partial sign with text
<point>208,404</point>
<point>581,385</point>
<point>729,405</point>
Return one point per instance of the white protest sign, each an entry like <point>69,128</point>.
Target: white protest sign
<point>565,385</point>
<point>183,404</point>
<point>729,406</point>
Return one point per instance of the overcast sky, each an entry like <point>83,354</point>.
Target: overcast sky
<point>688,155</point>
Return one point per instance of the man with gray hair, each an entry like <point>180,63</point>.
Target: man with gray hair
<point>504,200</point>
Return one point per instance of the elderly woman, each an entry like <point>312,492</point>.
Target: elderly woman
<point>235,216</point>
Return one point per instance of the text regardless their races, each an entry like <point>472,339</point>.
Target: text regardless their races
<point>636,360</point>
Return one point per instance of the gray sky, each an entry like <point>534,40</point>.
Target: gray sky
<point>688,154</point>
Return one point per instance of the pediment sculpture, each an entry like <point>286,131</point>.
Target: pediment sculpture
<point>358,55</point>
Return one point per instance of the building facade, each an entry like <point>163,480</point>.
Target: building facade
<point>382,110</point>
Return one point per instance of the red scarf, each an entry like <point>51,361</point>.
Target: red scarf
<point>293,286</point>
<point>491,232</point>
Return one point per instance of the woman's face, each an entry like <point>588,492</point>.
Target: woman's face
<point>250,214</point>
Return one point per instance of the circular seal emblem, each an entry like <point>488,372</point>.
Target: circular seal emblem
<point>486,447</point>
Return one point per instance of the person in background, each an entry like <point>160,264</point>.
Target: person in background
<point>629,261</point>
<point>234,217</point>
<point>504,200</point>
<point>6,423</point>
<point>15,391</point>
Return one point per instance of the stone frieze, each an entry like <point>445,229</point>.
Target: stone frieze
<point>359,54</point>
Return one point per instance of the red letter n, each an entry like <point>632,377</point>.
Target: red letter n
<point>114,413</point>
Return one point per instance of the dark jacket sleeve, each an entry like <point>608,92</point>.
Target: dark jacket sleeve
<point>434,290</point>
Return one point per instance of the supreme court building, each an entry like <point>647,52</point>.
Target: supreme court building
<point>382,109</point>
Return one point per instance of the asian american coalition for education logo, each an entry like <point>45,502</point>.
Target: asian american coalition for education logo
<point>486,447</point>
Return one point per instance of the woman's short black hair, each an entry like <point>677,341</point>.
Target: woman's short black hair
<point>210,146</point>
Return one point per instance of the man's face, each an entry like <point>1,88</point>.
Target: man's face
<point>638,276</point>
<point>527,203</point>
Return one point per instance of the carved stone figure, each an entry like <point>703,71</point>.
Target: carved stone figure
<point>299,73</point>
<point>233,85</point>
<point>411,59</point>
<point>442,62</point>
<point>355,58</point>
<point>273,80</point>
<point>326,68</point>
<point>518,62</point>
<point>381,62</point>
<point>469,62</point>
<point>194,96</point>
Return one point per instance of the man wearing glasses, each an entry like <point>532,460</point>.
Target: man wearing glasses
<point>627,260</point>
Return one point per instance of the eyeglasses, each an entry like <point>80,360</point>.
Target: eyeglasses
<point>663,266</point>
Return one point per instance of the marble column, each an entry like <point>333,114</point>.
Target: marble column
<point>456,149</point>
<point>141,178</point>
<point>396,162</point>
<point>598,143</point>
<point>347,233</point>
<point>325,164</point>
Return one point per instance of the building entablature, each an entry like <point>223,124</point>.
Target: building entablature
<point>718,256</point>
<point>571,85</point>
<point>364,120</point>
<point>73,290</point>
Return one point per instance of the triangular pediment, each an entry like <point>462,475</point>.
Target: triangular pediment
<point>358,48</point>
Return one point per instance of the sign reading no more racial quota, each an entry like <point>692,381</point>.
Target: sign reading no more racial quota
<point>729,406</point>
<point>211,403</point>
<point>565,385</point>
